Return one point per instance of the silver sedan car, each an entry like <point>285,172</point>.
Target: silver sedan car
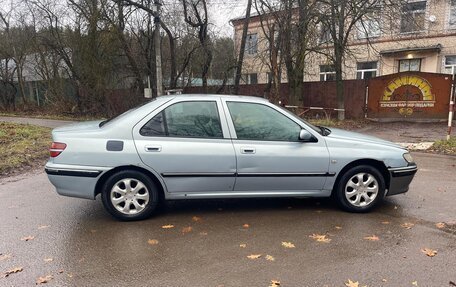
<point>216,146</point>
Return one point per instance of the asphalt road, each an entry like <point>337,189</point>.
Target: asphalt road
<point>79,244</point>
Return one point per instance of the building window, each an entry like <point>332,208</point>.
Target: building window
<point>250,78</point>
<point>269,77</point>
<point>325,34</point>
<point>413,65</point>
<point>452,18</point>
<point>450,65</point>
<point>369,26</point>
<point>366,70</point>
<point>251,44</point>
<point>327,73</point>
<point>413,17</point>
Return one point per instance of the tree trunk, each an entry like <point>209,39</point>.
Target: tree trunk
<point>237,78</point>
<point>20,81</point>
<point>173,65</point>
<point>339,84</point>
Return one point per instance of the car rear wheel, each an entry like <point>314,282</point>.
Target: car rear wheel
<point>130,195</point>
<point>360,189</point>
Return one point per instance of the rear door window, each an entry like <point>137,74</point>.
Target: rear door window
<point>197,119</point>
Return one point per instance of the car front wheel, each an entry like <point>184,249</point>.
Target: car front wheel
<point>360,189</point>
<point>130,195</point>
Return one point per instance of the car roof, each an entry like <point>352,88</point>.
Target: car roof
<point>215,96</point>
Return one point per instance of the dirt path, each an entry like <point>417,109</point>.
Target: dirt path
<point>35,121</point>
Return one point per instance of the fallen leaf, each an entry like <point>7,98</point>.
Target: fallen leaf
<point>350,283</point>
<point>338,227</point>
<point>187,229</point>
<point>60,271</point>
<point>243,245</point>
<point>204,233</point>
<point>152,241</point>
<point>168,226</point>
<point>288,244</point>
<point>274,283</point>
<point>4,256</point>
<point>45,279</point>
<point>48,259</point>
<point>43,226</point>
<point>254,256</point>
<point>320,238</point>
<point>440,225</point>
<point>386,222</point>
<point>372,238</point>
<point>429,252</point>
<point>245,225</point>
<point>407,225</point>
<point>28,238</point>
<point>196,219</point>
<point>415,283</point>
<point>270,258</point>
<point>11,271</point>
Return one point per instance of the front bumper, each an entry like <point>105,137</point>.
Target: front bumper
<point>74,181</point>
<point>400,179</point>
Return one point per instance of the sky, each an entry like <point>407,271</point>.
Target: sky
<point>222,11</point>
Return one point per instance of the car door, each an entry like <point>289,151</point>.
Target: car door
<point>269,154</point>
<point>189,146</point>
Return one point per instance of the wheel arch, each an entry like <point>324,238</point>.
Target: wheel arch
<point>379,165</point>
<point>148,173</point>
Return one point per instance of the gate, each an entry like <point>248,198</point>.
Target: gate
<point>409,95</point>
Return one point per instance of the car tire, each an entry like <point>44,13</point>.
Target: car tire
<point>130,195</point>
<point>360,189</point>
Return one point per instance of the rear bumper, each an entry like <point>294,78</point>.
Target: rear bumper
<point>400,179</point>
<point>74,181</point>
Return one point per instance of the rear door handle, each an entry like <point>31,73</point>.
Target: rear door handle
<point>248,150</point>
<point>153,148</point>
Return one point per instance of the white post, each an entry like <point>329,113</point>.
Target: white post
<point>450,120</point>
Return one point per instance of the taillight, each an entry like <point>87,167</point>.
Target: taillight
<point>56,149</point>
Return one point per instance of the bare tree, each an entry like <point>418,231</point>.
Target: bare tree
<point>17,46</point>
<point>291,29</point>
<point>199,19</point>
<point>339,21</point>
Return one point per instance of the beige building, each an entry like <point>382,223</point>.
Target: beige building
<point>423,39</point>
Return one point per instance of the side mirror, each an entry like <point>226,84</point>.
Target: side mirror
<point>305,136</point>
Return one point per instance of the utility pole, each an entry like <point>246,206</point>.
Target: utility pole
<point>157,48</point>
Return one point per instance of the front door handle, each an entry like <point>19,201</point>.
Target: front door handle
<point>248,150</point>
<point>153,148</point>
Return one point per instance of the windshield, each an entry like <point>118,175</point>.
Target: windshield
<point>124,113</point>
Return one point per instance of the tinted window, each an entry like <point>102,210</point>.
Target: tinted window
<point>186,119</point>
<point>260,122</point>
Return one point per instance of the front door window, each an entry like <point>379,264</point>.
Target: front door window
<point>260,122</point>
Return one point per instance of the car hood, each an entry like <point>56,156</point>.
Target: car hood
<point>357,137</point>
<point>82,126</point>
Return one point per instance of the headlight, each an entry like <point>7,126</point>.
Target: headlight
<point>408,157</point>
